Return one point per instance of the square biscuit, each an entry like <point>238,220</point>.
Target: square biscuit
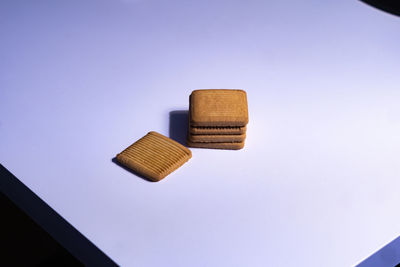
<point>222,145</point>
<point>216,138</point>
<point>154,156</point>
<point>218,107</point>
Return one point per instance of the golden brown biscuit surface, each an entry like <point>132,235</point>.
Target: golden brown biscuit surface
<point>216,138</point>
<point>215,129</point>
<point>154,156</point>
<point>218,107</point>
<point>228,145</point>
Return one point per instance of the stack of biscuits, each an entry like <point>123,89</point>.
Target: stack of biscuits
<point>217,118</point>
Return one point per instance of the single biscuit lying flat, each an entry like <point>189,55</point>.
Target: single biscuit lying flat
<point>154,156</point>
<point>215,130</point>
<point>227,145</point>
<point>216,138</point>
<point>218,107</point>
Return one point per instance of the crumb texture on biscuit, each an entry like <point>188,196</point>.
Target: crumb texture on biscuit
<point>202,138</point>
<point>218,107</point>
<point>220,145</point>
<point>206,130</point>
<point>154,156</point>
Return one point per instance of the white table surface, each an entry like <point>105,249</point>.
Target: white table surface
<point>317,183</point>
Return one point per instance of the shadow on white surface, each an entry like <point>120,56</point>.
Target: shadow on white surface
<point>131,171</point>
<point>178,125</point>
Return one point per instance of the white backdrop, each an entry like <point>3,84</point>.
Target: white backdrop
<point>317,183</point>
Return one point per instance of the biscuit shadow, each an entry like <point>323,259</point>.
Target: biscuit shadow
<point>114,159</point>
<point>179,125</point>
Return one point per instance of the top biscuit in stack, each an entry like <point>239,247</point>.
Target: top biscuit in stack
<point>214,112</point>
<point>219,108</point>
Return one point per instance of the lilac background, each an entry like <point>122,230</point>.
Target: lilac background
<point>318,181</point>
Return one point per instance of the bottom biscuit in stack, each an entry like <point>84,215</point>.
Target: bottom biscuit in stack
<point>219,137</point>
<point>202,138</point>
<point>217,145</point>
<point>216,137</point>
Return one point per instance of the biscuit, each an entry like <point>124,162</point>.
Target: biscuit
<point>216,138</point>
<point>218,107</point>
<point>154,156</point>
<point>224,145</point>
<point>214,130</point>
